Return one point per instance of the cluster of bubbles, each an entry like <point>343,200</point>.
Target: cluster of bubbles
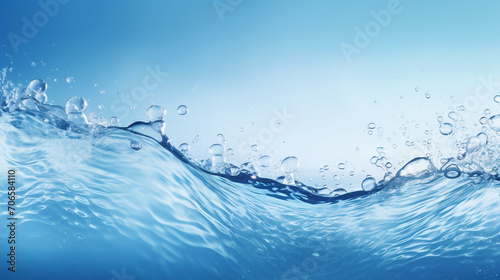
<point>476,154</point>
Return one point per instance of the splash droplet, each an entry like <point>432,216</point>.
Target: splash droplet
<point>75,105</point>
<point>216,150</point>
<point>368,184</point>
<point>184,148</point>
<point>264,161</point>
<point>290,164</point>
<point>37,85</point>
<point>156,113</point>
<point>446,128</point>
<point>494,123</point>
<point>255,148</point>
<point>136,145</point>
<point>182,110</point>
<point>371,125</point>
<point>452,171</point>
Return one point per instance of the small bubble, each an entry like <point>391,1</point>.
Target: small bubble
<point>370,132</point>
<point>341,166</point>
<point>229,152</point>
<point>496,98</point>
<point>135,145</point>
<point>182,110</point>
<point>452,172</point>
<point>416,89</point>
<point>184,148</point>
<point>446,128</point>
<point>264,161</point>
<point>440,119</point>
<point>255,148</point>
<point>453,115</point>
<point>113,121</point>
<point>371,125</point>
<point>221,139</point>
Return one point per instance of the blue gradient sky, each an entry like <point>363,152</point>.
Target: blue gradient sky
<point>263,56</point>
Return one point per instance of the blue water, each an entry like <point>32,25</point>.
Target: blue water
<point>92,207</point>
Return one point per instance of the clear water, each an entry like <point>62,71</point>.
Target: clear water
<point>100,201</point>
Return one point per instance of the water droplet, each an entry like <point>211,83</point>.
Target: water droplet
<point>113,121</point>
<point>102,92</point>
<point>255,148</point>
<point>496,98</point>
<point>229,152</point>
<point>427,95</point>
<point>368,184</point>
<point>341,166</point>
<point>37,85</point>
<point>182,110</point>
<point>136,145</point>
<point>75,105</point>
<point>69,79</point>
<point>326,167</point>
<point>388,165</point>
<point>494,123</point>
<point>371,125</point>
<point>452,171</point>
<point>216,149</point>
<point>370,132</point>
<point>156,113</point>
<point>351,173</point>
<point>221,139</point>
<point>440,119</point>
<point>264,161</point>
<point>453,115</point>
<point>446,128</point>
<point>184,148</point>
<point>416,89</point>
<point>290,164</point>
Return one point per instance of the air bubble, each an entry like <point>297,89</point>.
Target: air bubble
<point>221,139</point>
<point>184,148</point>
<point>216,150</point>
<point>446,128</point>
<point>136,145</point>
<point>369,184</point>
<point>264,161</point>
<point>75,105</point>
<point>182,110</point>
<point>494,123</point>
<point>452,171</point>
<point>156,113</point>
<point>290,164</point>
